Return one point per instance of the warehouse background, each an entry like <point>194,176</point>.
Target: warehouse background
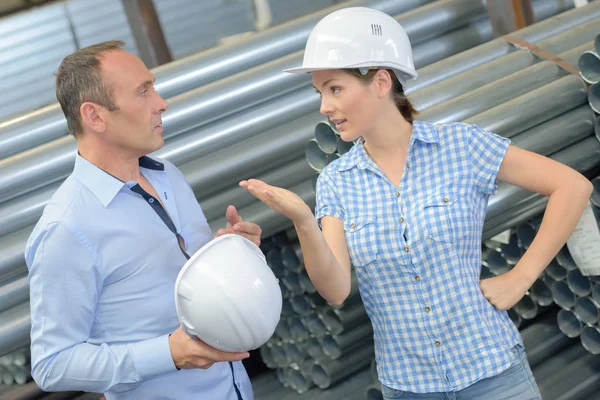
<point>233,114</point>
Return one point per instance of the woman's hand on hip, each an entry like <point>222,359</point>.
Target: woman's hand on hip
<point>504,291</point>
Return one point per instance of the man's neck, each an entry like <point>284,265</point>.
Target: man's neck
<point>125,167</point>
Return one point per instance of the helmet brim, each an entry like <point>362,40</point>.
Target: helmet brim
<point>407,74</point>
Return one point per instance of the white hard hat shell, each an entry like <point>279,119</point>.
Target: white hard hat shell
<point>227,296</point>
<point>358,37</point>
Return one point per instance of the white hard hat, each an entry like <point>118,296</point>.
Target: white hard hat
<point>227,296</point>
<point>358,37</point>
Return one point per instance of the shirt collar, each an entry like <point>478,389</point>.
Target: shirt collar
<point>357,156</point>
<point>102,184</point>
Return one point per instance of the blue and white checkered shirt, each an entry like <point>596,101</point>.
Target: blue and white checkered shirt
<point>417,254</point>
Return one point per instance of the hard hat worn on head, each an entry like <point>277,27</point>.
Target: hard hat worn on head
<point>358,37</point>
<point>227,296</point>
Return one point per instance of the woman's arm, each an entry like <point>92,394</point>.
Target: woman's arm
<point>326,257</point>
<point>569,192</point>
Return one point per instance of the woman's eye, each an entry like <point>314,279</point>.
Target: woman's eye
<point>335,90</point>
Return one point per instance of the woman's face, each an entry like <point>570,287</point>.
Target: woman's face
<point>350,104</point>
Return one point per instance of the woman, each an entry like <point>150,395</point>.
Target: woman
<point>405,206</point>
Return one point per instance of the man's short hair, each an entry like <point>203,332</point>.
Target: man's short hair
<point>79,80</point>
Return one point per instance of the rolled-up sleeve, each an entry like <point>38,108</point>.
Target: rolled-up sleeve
<point>327,198</point>
<point>486,152</point>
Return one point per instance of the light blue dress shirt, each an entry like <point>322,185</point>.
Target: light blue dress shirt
<point>416,250</point>
<point>102,269</point>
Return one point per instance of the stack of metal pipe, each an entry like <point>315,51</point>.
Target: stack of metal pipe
<point>500,256</point>
<point>233,115</point>
<point>315,343</point>
<point>14,369</point>
<point>577,294</point>
<point>589,68</point>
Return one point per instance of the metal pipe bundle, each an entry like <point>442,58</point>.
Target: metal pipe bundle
<point>312,341</point>
<point>41,126</point>
<point>589,69</point>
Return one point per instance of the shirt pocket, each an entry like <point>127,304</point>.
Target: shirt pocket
<point>446,216</point>
<point>362,239</point>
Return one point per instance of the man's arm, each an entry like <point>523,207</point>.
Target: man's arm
<point>65,283</point>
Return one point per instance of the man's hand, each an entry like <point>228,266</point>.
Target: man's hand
<point>188,352</point>
<point>236,225</point>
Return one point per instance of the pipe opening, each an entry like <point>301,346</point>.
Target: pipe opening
<point>589,67</point>
<point>306,283</point>
<point>586,310</point>
<point>300,382</point>
<point>590,339</point>
<point>515,318</point>
<point>526,308</point>
<point>314,348</point>
<point>563,296</point>
<point>332,321</point>
<point>300,305</point>
<point>556,272</point>
<point>315,157</point>
<point>565,260</point>
<point>596,294</point>
<point>497,264</point>
<point>289,258</point>
<point>595,199</point>
<point>578,283</point>
<point>326,138</point>
<point>298,330</point>
<point>568,324</point>
<point>320,376</point>
<point>525,234</point>
<point>330,347</point>
<point>594,97</point>
<point>542,293</point>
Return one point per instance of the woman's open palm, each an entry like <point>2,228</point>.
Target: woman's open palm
<point>281,200</point>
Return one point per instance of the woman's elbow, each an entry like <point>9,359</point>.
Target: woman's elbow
<point>584,188</point>
<point>340,297</point>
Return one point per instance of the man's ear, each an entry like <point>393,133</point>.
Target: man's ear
<point>93,117</point>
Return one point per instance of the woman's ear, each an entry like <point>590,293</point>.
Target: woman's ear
<point>383,82</point>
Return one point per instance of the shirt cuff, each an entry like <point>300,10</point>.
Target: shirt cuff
<point>152,357</point>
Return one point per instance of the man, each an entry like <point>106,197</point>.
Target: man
<point>104,256</point>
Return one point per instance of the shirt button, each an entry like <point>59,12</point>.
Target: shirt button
<point>150,200</point>
<point>407,165</point>
<point>417,278</point>
<point>437,343</point>
<point>427,309</point>
<point>446,199</point>
<point>352,226</point>
<point>401,219</point>
<point>406,249</point>
<point>397,194</point>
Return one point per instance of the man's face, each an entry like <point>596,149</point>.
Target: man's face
<point>135,129</point>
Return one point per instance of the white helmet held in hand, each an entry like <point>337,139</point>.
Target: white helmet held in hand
<point>227,296</point>
<point>358,37</point>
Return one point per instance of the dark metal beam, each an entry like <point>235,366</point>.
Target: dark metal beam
<point>148,33</point>
<point>509,16</point>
